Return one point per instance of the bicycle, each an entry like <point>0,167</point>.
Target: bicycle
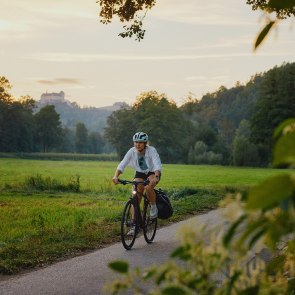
<point>133,218</point>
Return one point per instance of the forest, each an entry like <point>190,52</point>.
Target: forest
<point>227,127</point>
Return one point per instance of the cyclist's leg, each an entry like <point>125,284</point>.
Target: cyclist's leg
<point>140,190</point>
<point>150,190</point>
<point>151,195</point>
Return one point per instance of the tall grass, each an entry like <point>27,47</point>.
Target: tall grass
<point>39,229</point>
<point>40,183</point>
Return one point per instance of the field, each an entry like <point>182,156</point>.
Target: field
<point>94,176</point>
<point>43,218</point>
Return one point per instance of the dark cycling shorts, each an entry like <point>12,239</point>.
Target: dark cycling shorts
<point>143,175</point>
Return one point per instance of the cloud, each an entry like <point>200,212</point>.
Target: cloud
<point>205,78</point>
<point>76,57</point>
<point>29,19</point>
<point>60,81</point>
<point>195,78</point>
<point>66,57</point>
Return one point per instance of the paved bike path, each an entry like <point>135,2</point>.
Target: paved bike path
<point>88,274</point>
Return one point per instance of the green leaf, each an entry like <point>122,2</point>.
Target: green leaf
<point>231,231</point>
<point>284,151</point>
<point>182,253</point>
<point>173,290</point>
<point>250,291</point>
<point>279,4</point>
<point>287,126</point>
<point>194,283</point>
<point>291,286</point>
<point>149,274</point>
<point>252,229</point>
<point>256,237</point>
<point>161,277</point>
<point>276,264</point>
<point>232,281</point>
<point>263,34</point>
<point>270,192</point>
<point>119,266</point>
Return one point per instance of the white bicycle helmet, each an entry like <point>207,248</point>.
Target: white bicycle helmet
<point>140,137</point>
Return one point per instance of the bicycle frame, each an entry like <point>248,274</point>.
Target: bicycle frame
<point>134,217</point>
<point>135,198</point>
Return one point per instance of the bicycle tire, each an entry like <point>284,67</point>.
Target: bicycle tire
<point>150,225</point>
<point>127,221</point>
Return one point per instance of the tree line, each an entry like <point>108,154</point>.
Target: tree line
<point>22,129</point>
<point>228,127</point>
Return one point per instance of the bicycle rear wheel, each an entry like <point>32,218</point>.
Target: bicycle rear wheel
<point>129,225</point>
<point>149,224</point>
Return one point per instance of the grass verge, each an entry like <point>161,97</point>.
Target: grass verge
<point>40,228</point>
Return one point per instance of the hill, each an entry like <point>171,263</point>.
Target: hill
<point>71,113</point>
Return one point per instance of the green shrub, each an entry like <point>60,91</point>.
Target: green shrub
<point>40,183</point>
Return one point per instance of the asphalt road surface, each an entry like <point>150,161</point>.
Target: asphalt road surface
<point>88,274</point>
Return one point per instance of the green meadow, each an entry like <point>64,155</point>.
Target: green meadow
<point>94,176</point>
<point>51,210</point>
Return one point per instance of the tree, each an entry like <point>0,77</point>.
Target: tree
<point>5,101</point>
<point>121,126</point>
<point>95,143</point>
<point>244,151</point>
<point>68,141</point>
<point>196,152</point>
<point>127,11</point>
<point>16,121</point>
<point>26,124</point>
<point>276,102</point>
<point>48,128</point>
<point>199,154</point>
<point>165,125</point>
<point>81,141</point>
<point>154,114</point>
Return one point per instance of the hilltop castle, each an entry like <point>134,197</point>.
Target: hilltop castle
<point>52,97</point>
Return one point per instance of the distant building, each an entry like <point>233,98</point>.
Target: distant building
<point>47,98</point>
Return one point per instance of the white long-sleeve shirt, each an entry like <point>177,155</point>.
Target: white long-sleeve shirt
<point>151,158</point>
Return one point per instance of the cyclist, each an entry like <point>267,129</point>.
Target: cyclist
<point>147,165</point>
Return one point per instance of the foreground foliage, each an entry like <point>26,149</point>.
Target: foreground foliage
<point>255,254</point>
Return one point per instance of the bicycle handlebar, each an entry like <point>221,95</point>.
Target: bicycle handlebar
<point>124,182</point>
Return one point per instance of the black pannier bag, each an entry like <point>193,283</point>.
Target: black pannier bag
<point>164,206</point>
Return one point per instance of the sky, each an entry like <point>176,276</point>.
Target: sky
<point>191,47</point>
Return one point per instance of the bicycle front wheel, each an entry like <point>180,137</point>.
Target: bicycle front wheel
<point>149,224</point>
<point>128,225</point>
